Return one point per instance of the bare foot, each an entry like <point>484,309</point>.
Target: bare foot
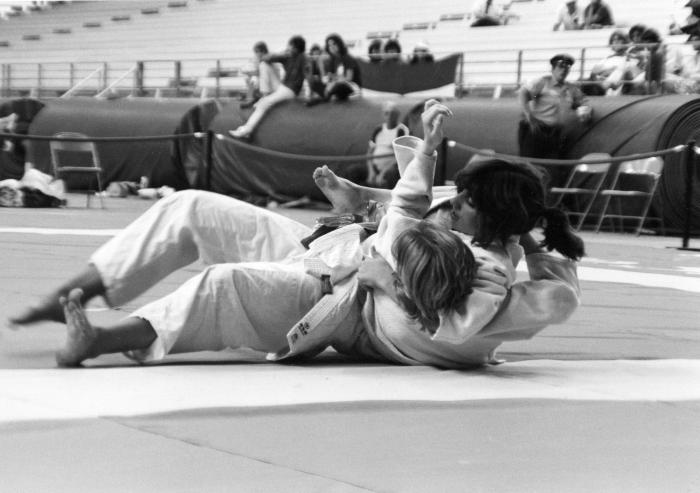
<point>48,309</point>
<point>343,194</point>
<point>81,336</point>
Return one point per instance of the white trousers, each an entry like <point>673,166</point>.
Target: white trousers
<point>269,77</point>
<point>252,296</point>
<point>187,226</point>
<point>282,93</point>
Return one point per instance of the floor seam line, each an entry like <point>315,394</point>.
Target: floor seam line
<point>230,453</point>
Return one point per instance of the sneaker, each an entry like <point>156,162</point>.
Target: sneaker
<point>239,133</point>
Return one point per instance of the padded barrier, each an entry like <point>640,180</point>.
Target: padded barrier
<point>621,126</point>
<point>121,161</point>
<point>12,157</point>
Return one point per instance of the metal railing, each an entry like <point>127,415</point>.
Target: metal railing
<point>225,78</point>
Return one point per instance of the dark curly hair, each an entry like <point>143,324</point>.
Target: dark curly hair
<point>342,49</point>
<point>510,199</point>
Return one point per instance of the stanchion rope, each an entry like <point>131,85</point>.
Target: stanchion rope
<point>357,157</point>
<point>303,157</point>
<point>195,135</point>
<point>570,162</point>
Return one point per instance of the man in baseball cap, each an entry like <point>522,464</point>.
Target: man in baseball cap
<point>547,103</point>
<point>561,57</point>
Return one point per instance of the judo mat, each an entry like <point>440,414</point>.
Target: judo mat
<point>608,401</point>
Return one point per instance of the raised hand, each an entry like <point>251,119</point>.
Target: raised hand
<point>432,118</point>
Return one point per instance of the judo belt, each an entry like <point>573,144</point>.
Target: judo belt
<point>314,332</point>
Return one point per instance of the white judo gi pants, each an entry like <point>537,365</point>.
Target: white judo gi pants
<point>252,296</point>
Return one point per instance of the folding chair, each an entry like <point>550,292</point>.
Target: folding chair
<point>68,152</point>
<point>634,187</point>
<point>585,180</point>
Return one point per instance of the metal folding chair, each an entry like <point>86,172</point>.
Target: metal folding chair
<point>632,190</point>
<point>65,161</point>
<point>583,184</point>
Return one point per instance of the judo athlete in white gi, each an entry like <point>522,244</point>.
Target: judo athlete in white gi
<point>252,304</point>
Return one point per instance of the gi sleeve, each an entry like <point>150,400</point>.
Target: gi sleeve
<point>550,296</point>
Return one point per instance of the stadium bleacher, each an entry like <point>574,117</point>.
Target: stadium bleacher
<point>57,44</point>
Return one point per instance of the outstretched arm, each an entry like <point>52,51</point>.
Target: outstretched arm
<point>413,192</point>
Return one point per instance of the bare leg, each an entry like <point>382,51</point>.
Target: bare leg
<point>346,196</point>
<point>50,308</point>
<point>84,341</point>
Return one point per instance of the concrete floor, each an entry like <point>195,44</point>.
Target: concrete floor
<point>608,401</point>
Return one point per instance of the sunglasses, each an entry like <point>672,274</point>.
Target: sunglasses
<point>563,64</point>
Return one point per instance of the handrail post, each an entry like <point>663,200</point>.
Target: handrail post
<point>218,77</point>
<point>71,74</point>
<point>138,79</point>
<point>583,63</point>
<point>9,81</point>
<point>688,161</point>
<point>208,158</point>
<point>104,76</point>
<point>519,75</point>
<point>178,77</point>
<point>461,74</point>
<point>39,78</point>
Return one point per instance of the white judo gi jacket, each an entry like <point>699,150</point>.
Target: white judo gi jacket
<point>339,254</point>
<point>498,310</point>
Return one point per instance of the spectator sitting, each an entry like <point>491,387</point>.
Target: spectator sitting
<point>383,172</point>
<point>683,72</point>
<point>646,65</point>
<point>597,15</point>
<point>635,33</point>
<point>294,61</point>
<point>263,78</point>
<point>315,70</point>
<point>392,51</point>
<point>374,51</point>
<point>690,23</point>
<point>609,72</point>
<point>421,54</point>
<point>485,13</point>
<point>342,73</point>
<point>570,17</point>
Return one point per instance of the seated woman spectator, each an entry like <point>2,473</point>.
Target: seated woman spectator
<point>340,72</point>
<point>609,73</point>
<point>392,51</point>
<point>421,54</point>
<point>374,51</point>
<point>294,61</point>
<point>343,71</point>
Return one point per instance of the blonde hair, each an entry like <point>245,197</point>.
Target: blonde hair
<point>435,270</point>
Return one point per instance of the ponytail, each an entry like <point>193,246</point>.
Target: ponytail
<point>559,236</point>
